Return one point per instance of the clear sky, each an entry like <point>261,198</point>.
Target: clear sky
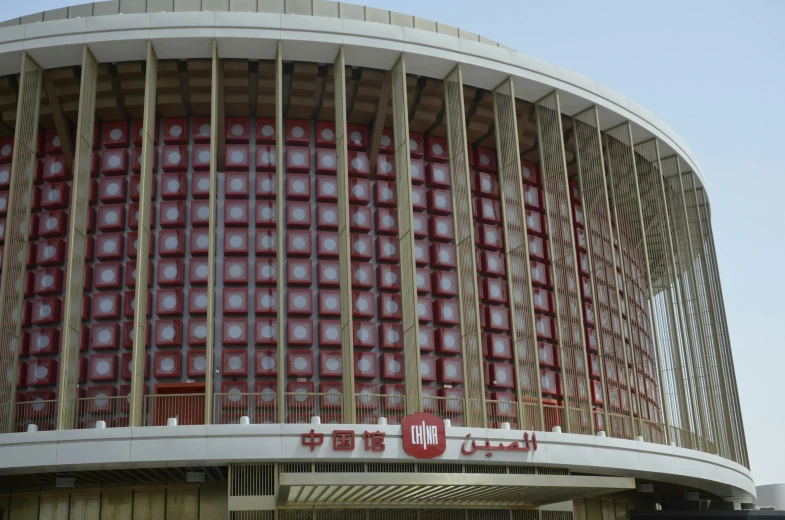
<point>714,70</point>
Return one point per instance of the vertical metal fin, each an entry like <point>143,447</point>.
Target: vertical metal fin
<point>143,251</point>
<point>217,130</point>
<point>516,254</point>
<point>280,256</point>
<point>20,202</point>
<point>77,245</point>
<point>403,181</point>
<point>602,265</point>
<point>468,294</point>
<point>344,239</point>
<point>564,262</point>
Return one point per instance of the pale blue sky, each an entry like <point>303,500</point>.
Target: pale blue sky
<point>713,70</point>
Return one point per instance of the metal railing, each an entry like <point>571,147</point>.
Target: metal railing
<point>112,410</point>
<point>451,408</point>
<point>42,414</point>
<point>260,408</point>
<point>300,407</point>
<point>371,407</point>
<point>502,411</point>
<point>188,409</point>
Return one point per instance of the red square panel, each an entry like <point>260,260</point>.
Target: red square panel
<point>327,216</point>
<point>497,318</point>
<point>53,196</point>
<point>362,249</point>
<point>298,187</point>
<point>235,301</point>
<point>169,302</point>
<point>550,382</point>
<point>266,213</point>
<point>235,332</point>
<point>546,327</point>
<point>299,302</point>
<point>386,221</point>
<point>437,149</point>
<point>43,341</point>
<point>106,306</point>
<point>266,244</point>
<point>136,161</point>
<point>266,271</point>
<point>298,215</point>
<point>330,364</point>
<point>266,301</point>
<point>420,226</point>
<point>299,272</point>
<point>235,272</point>
<point>365,366</point>
<point>195,363</point>
<point>172,214</point>
<point>108,276</point>
<point>419,198</point>
<point>104,336</point>
<point>424,310</point>
<point>102,367</point>
<point>298,243</point>
<point>358,164</point>
<point>362,305</point>
<point>170,273</point>
<point>364,334</point>
<point>446,312</point>
<point>359,191</point>
<point>392,366</point>
<point>540,273</point>
<point>235,242</point>
<point>416,145</point>
<point>197,302</point>
<point>237,157</point>
<point>265,332</point>
<point>422,277</point>
<point>385,166</point>
<point>421,253</point>
<point>265,185</point>
<point>53,168</point>
<point>485,159</point>
<point>238,130</point>
<point>449,370</point>
<point>175,158</point>
<point>298,159</point>
<point>197,271</point>
<point>53,224</point>
<point>41,372</point>
<point>168,333</point>
<point>428,368</point>
<point>234,363</point>
<point>197,332</point>
<point>502,375</point>
<point>175,131</point>
<point>266,362</point>
<point>200,157</point>
<point>236,213</point>
<point>357,137</point>
<point>200,185</point>
<point>6,149</point>
<point>360,219</point>
<point>265,130</point>
<point>391,335</point>
<point>426,339</point>
<point>299,363</point>
<point>236,185</point>
<point>417,168</point>
<point>325,134</point>
<point>115,135</point>
<point>172,243</point>
<point>448,341</point>
<point>362,276</point>
<point>173,186</point>
<point>266,158</point>
<point>329,303</point>
<point>389,277</point>
<point>390,307</point>
<point>112,190</point>
<point>326,161</point>
<point>326,189</point>
<point>298,131</point>
<point>488,185</point>
<point>329,333</point>
<point>547,354</point>
<point>166,364</point>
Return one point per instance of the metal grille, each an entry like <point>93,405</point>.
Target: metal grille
<point>403,181</point>
<point>712,283</point>
<point>77,246</point>
<point>517,259</point>
<point>247,480</point>
<point>694,305</point>
<point>602,270</point>
<point>569,316</point>
<point>658,270</point>
<point>253,515</point>
<point>17,234</point>
<point>625,201</point>
<point>474,386</point>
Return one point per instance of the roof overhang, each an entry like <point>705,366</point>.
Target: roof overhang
<point>444,490</point>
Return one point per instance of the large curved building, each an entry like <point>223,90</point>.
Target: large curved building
<point>306,259</point>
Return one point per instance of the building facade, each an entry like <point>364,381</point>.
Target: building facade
<point>307,259</point>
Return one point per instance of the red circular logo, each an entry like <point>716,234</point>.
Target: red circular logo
<point>423,435</point>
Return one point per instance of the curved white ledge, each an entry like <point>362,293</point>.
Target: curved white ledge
<point>114,448</point>
<point>182,35</point>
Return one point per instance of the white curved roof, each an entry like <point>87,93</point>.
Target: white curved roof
<point>312,30</point>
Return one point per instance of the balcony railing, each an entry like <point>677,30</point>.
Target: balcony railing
<point>41,415</point>
<point>112,410</point>
<point>187,409</point>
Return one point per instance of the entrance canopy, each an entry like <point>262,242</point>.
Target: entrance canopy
<point>460,490</point>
